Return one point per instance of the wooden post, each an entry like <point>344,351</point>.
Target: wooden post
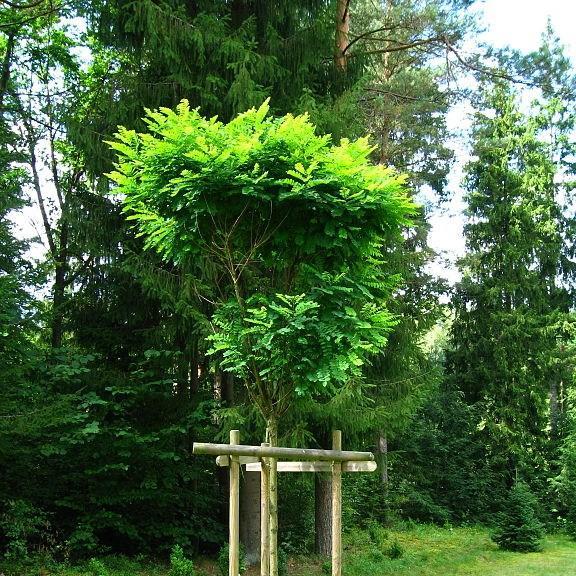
<point>336,507</point>
<point>234,543</point>
<point>265,516</point>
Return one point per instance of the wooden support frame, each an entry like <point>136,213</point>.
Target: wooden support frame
<point>264,458</point>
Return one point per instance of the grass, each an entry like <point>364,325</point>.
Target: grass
<point>433,551</point>
<point>423,551</point>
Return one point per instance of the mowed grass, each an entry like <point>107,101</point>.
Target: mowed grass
<point>433,551</point>
<point>427,551</point>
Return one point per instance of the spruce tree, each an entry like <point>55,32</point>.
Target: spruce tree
<point>507,304</point>
<point>519,529</point>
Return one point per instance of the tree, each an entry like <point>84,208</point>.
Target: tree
<point>284,232</point>
<point>509,303</point>
<point>519,529</point>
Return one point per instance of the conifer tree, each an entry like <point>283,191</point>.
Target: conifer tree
<point>519,529</point>
<point>509,301</point>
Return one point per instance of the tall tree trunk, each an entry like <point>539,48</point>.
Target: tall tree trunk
<point>5,73</point>
<point>323,514</point>
<point>60,283</point>
<point>342,31</point>
<point>382,461</point>
<point>250,516</point>
<point>323,506</point>
<point>58,301</point>
<point>554,407</point>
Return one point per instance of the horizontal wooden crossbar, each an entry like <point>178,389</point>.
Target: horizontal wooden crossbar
<point>284,453</point>
<point>316,467</point>
<point>253,465</point>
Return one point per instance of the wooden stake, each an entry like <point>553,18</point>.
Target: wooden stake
<point>273,461</point>
<point>234,543</point>
<point>265,516</point>
<point>336,507</point>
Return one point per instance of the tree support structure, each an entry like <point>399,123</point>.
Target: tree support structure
<point>265,457</point>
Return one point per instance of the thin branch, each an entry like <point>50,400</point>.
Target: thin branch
<point>24,6</point>
<point>485,71</point>
<point>400,46</point>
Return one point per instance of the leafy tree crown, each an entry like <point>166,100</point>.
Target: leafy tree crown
<point>283,233</point>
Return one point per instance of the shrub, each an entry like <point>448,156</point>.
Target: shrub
<point>97,568</point>
<point>518,527</point>
<point>223,560</point>
<point>179,564</point>
<point>25,527</point>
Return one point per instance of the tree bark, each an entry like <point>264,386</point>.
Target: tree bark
<point>6,63</point>
<point>382,461</point>
<point>250,516</point>
<point>342,34</point>
<point>554,407</point>
<point>323,514</point>
<point>323,508</point>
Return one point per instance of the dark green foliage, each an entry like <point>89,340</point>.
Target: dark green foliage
<point>119,444</point>
<point>511,305</point>
<point>438,464</point>
<point>296,523</point>
<point>518,527</point>
<point>25,528</point>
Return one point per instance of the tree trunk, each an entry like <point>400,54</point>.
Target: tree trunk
<point>60,281</point>
<point>250,516</point>
<point>323,514</point>
<point>554,407</point>
<point>6,63</point>
<point>342,31</point>
<point>382,461</point>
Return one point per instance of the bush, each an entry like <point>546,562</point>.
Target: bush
<point>25,527</point>
<point>179,564</point>
<point>97,568</point>
<point>223,560</point>
<point>518,527</point>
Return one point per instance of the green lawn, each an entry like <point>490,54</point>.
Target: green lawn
<point>432,551</point>
<point>427,551</point>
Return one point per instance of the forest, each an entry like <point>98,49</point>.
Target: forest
<point>232,205</point>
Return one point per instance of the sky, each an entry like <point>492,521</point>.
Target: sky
<point>515,23</point>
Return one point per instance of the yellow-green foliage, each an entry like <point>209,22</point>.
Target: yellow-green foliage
<point>282,231</point>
